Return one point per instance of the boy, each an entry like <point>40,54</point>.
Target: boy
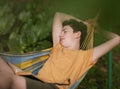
<point>66,63</point>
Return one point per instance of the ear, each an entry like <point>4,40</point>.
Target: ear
<point>77,34</point>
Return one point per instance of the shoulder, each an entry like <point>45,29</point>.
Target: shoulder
<point>86,51</point>
<point>57,47</point>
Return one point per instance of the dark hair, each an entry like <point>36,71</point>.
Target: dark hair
<point>77,26</point>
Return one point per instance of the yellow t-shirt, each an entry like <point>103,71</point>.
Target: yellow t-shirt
<point>65,66</point>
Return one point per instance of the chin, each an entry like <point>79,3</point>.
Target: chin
<point>64,44</point>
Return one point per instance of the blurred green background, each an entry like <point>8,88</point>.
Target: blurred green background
<point>109,20</point>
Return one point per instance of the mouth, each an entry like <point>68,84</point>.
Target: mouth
<point>61,39</point>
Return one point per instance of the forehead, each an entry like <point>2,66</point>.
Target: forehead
<point>67,27</point>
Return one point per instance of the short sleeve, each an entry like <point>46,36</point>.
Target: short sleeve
<point>88,56</point>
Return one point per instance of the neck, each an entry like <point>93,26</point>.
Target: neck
<point>75,46</point>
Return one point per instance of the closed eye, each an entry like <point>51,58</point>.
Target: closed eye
<point>65,31</point>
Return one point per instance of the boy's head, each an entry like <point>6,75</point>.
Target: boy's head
<point>77,27</point>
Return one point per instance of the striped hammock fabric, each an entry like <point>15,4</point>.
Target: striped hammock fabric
<point>29,62</point>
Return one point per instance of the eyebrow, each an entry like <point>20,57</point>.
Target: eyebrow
<point>63,29</point>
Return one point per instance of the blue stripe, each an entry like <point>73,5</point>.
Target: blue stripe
<point>17,59</point>
<point>35,65</point>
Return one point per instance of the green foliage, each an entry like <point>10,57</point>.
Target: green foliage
<point>14,43</point>
<point>116,74</point>
<point>24,16</point>
<point>1,48</point>
<point>7,19</point>
<point>24,29</point>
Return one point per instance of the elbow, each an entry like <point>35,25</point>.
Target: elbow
<point>58,16</point>
<point>119,39</point>
<point>57,13</point>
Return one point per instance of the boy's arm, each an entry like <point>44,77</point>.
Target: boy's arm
<point>107,46</point>
<point>59,18</point>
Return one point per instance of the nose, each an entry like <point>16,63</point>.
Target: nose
<point>62,33</point>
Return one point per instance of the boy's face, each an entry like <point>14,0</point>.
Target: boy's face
<point>67,37</point>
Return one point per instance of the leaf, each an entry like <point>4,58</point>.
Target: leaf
<point>33,25</point>
<point>44,32</point>
<point>24,16</point>
<point>43,45</point>
<point>14,43</point>
<point>42,16</point>
<point>6,22</point>
<point>1,47</point>
<point>28,37</point>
